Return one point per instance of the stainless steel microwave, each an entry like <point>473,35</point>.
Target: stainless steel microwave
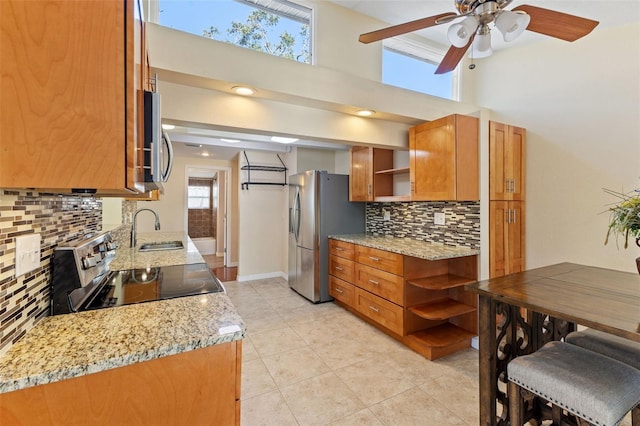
<point>158,152</point>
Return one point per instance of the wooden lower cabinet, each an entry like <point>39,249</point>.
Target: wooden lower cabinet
<point>196,388</point>
<point>419,302</point>
<point>506,238</point>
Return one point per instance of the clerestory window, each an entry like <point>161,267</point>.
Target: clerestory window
<point>276,27</point>
<point>410,63</point>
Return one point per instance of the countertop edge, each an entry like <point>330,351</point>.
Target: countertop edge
<point>108,364</point>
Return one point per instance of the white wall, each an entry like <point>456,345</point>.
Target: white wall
<point>264,222</point>
<point>316,159</point>
<point>580,103</point>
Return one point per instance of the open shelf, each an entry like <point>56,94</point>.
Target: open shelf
<point>441,336</point>
<point>396,171</point>
<point>442,310</point>
<point>440,282</point>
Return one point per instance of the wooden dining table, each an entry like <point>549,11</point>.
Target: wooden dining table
<point>521,312</point>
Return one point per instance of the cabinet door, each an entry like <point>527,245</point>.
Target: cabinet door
<point>507,146</point>
<point>516,155</point>
<point>507,238</point>
<point>432,151</point>
<point>516,237</point>
<point>444,159</point>
<point>498,238</point>
<point>361,174</point>
<point>67,104</point>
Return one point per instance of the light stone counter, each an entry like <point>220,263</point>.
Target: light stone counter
<point>128,258</point>
<point>66,346</point>
<point>414,248</point>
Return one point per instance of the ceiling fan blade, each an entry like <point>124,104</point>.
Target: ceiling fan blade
<point>453,57</point>
<point>407,27</point>
<point>557,24</point>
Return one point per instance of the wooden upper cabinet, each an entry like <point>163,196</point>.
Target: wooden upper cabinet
<point>68,100</point>
<point>507,145</point>
<point>444,159</point>
<point>365,184</point>
<point>361,174</point>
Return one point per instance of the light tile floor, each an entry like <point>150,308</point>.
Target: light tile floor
<point>306,364</point>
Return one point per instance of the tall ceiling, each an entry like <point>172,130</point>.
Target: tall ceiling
<point>192,142</point>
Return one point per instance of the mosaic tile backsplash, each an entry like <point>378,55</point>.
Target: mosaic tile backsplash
<point>57,218</point>
<point>414,220</point>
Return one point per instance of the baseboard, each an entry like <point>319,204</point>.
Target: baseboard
<point>219,254</point>
<point>474,342</point>
<point>241,278</point>
<point>232,264</point>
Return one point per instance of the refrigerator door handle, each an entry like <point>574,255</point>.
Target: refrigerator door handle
<point>297,215</point>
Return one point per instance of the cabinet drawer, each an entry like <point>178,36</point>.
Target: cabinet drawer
<point>379,310</point>
<point>342,249</point>
<point>342,290</point>
<point>341,268</point>
<point>380,259</point>
<point>380,283</point>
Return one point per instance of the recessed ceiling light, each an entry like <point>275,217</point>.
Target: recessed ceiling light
<point>243,90</point>
<point>230,140</point>
<point>168,126</point>
<point>205,154</point>
<point>365,113</point>
<point>281,139</point>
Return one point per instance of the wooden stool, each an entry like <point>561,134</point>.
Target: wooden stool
<point>624,350</point>
<point>597,389</point>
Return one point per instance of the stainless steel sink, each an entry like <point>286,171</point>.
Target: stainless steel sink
<point>166,245</point>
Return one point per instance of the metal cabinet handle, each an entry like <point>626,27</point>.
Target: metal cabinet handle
<point>338,249</point>
<point>369,189</point>
<point>374,282</point>
<point>339,291</point>
<point>508,214</point>
<point>374,309</point>
<point>337,268</point>
<point>514,216</point>
<point>375,259</point>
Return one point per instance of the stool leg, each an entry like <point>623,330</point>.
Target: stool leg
<point>516,416</point>
<point>635,416</point>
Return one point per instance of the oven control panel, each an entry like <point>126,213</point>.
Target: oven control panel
<point>90,256</point>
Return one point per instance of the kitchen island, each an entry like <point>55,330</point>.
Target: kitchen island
<point>412,290</point>
<point>165,362</point>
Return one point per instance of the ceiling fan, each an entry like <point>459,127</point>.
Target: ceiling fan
<point>474,31</point>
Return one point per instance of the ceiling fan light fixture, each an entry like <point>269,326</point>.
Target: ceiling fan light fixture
<point>459,34</point>
<point>481,47</point>
<point>512,24</point>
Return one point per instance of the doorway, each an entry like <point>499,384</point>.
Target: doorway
<point>206,215</point>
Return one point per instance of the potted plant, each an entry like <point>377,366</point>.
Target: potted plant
<point>624,219</point>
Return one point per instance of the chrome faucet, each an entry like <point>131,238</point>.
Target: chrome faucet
<point>133,225</point>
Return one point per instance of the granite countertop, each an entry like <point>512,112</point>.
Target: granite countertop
<point>65,346</point>
<point>407,247</point>
<point>131,258</point>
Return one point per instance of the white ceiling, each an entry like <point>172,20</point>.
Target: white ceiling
<point>608,13</point>
<point>192,142</point>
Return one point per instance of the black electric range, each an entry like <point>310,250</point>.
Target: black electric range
<point>83,281</point>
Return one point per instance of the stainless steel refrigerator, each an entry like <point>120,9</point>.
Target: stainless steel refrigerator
<point>318,207</point>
